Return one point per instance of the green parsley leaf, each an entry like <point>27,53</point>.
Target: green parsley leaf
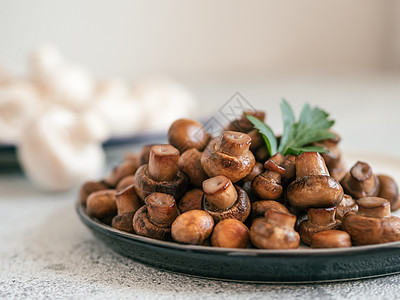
<point>297,136</point>
<point>267,134</point>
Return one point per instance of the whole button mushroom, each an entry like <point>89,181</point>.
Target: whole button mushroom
<point>161,174</point>
<point>230,233</point>
<point>191,200</point>
<point>185,134</point>
<point>228,155</point>
<point>372,224</point>
<point>257,170</point>
<point>89,187</point>
<point>243,124</point>
<point>190,164</point>
<point>222,200</point>
<point>313,186</point>
<point>155,218</point>
<point>319,219</point>
<point>331,239</point>
<point>388,190</point>
<point>101,205</point>
<point>192,227</point>
<point>126,168</point>
<point>127,204</point>
<point>360,181</point>
<point>275,231</point>
<point>259,208</point>
<point>347,204</point>
<point>268,184</point>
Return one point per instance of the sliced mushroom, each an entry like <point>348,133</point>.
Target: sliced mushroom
<point>360,181</point>
<point>319,219</point>
<point>222,200</point>
<point>275,231</point>
<point>313,186</point>
<point>229,155</point>
<point>161,174</point>
<point>372,224</point>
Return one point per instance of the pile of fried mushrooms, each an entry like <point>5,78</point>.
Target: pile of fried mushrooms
<point>228,192</point>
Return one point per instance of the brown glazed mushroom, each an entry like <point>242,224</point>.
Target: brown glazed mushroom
<point>185,134</point>
<point>268,184</point>
<point>90,187</point>
<point>243,124</point>
<point>275,231</point>
<point>347,204</point>
<point>319,219</point>
<point>372,224</point>
<point>259,208</point>
<point>190,164</point>
<point>228,155</point>
<point>289,164</point>
<point>360,181</point>
<point>389,190</point>
<point>144,154</point>
<point>230,233</point>
<point>331,239</point>
<point>257,140</point>
<point>313,186</point>
<point>155,218</point>
<point>192,227</point>
<point>127,167</point>
<point>125,182</point>
<point>222,200</point>
<point>191,200</point>
<point>257,170</point>
<point>102,205</point>
<point>161,174</point>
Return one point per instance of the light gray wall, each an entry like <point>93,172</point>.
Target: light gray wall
<point>135,38</point>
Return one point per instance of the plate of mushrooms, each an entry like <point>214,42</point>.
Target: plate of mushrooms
<point>248,205</point>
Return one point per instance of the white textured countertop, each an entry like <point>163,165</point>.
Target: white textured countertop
<point>46,252</point>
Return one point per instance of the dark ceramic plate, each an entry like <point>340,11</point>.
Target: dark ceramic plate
<point>255,265</point>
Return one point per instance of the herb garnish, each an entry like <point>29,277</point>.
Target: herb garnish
<point>297,137</point>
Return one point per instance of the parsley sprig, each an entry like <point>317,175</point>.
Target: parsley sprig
<point>297,137</point>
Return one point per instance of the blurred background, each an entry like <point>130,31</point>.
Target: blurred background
<point>343,56</point>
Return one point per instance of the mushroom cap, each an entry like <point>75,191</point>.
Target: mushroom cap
<point>307,230</point>
<point>368,231</point>
<point>192,227</point>
<point>258,208</point>
<point>266,188</point>
<point>190,164</point>
<point>389,190</point>
<point>230,233</point>
<point>123,222</point>
<point>216,163</point>
<point>144,227</point>
<point>331,239</point>
<point>191,200</point>
<point>185,134</point>
<point>144,185</point>
<point>347,204</point>
<point>315,191</point>
<point>257,170</point>
<point>101,204</point>
<point>240,210</point>
<point>89,187</point>
<point>265,235</point>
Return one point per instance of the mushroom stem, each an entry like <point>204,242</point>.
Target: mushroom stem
<point>233,143</point>
<point>281,219</point>
<point>163,162</point>
<point>161,209</point>
<point>310,163</point>
<point>321,216</point>
<point>219,192</point>
<point>373,207</point>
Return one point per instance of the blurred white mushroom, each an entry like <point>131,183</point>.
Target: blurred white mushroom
<point>121,111</point>
<point>63,81</point>
<point>19,102</point>
<point>163,102</point>
<point>59,150</point>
